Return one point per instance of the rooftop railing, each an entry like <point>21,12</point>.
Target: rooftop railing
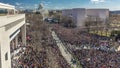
<point>6,6</point>
<point>7,19</point>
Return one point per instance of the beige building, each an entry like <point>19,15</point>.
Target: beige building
<point>42,11</point>
<point>12,25</point>
<point>103,14</point>
<point>80,14</point>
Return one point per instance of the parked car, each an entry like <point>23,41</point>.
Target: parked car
<point>51,20</point>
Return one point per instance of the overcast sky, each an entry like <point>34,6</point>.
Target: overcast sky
<point>65,4</point>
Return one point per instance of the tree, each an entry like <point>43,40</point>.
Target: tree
<point>107,25</point>
<point>93,23</point>
<point>88,23</point>
<point>68,22</point>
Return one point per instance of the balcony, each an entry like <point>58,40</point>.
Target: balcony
<point>8,19</point>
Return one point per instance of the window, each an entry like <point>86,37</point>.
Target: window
<point>3,12</point>
<point>6,56</point>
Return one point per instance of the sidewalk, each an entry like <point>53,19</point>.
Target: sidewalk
<point>63,50</point>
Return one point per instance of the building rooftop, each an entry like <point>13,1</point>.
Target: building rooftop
<point>6,6</point>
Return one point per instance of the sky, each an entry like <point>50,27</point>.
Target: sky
<point>64,4</point>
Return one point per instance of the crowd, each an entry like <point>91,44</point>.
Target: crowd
<point>89,58</point>
<point>31,59</point>
<point>98,59</point>
<point>76,37</point>
<point>41,50</point>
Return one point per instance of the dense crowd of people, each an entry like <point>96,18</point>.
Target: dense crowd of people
<point>98,59</point>
<point>77,37</point>
<point>32,59</point>
<point>41,50</point>
<point>89,58</point>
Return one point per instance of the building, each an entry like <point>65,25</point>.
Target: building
<point>42,11</point>
<point>12,25</point>
<point>103,14</point>
<point>80,14</point>
<point>115,21</point>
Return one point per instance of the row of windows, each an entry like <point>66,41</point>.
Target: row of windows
<point>6,56</point>
<point>3,11</point>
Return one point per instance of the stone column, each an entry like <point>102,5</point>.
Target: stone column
<point>23,31</point>
<point>14,11</point>
<point>5,59</point>
<point>13,45</point>
<point>8,12</point>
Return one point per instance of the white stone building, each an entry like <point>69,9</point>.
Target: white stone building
<point>42,11</point>
<point>80,14</point>
<point>11,24</point>
<point>103,14</point>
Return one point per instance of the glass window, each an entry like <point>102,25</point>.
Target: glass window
<point>3,11</point>
<point>6,56</point>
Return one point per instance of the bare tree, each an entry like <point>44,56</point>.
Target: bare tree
<point>88,23</point>
<point>107,25</point>
<point>93,23</point>
<point>68,21</point>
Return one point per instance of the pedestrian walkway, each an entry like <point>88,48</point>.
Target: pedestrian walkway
<point>63,50</point>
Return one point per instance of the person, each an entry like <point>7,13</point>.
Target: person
<point>28,38</point>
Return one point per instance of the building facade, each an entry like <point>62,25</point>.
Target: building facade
<point>80,14</point>
<point>11,24</point>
